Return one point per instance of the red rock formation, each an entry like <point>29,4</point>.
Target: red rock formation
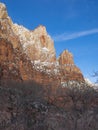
<point>66,58</point>
<point>30,55</point>
<point>36,41</point>
<point>49,102</point>
<point>68,68</point>
<point>3,12</point>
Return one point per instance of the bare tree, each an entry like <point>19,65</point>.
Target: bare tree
<point>96,75</point>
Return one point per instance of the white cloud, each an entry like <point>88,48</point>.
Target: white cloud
<point>66,37</point>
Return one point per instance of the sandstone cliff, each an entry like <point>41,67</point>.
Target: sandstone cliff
<point>33,54</point>
<point>38,91</point>
<point>36,44</point>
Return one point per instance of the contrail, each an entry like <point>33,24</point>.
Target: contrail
<point>66,37</point>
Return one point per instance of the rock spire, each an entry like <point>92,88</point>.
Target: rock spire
<point>30,55</point>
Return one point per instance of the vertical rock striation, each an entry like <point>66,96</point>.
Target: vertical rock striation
<point>33,54</point>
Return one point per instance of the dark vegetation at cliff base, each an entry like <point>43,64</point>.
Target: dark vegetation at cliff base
<point>30,106</point>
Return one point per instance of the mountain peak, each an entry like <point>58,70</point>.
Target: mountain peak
<point>36,41</point>
<point>66,58</point>
<point>3,11</point>
<point>33,53</point>
<point>41,30</point>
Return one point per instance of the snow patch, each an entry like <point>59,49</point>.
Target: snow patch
<point>45,49</point>
<point>88,82</point>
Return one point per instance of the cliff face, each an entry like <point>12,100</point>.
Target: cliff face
<point>66,58</point>
<point>33,54</point>
<point>36,44</point>
<point>38,91</point>
<point>3,12</point>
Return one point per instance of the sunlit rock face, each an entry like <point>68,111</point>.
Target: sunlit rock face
<point>36,44</point>
<point>51,92</point>
<point>69,69</point>
<point>33,54</point>
<point>66,58</point>
<point>3,11</point>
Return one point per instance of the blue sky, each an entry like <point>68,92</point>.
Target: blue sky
<point>73,24</point>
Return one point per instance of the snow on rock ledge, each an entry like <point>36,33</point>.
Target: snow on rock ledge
<point>39,51</point>
<point>36,41</point>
